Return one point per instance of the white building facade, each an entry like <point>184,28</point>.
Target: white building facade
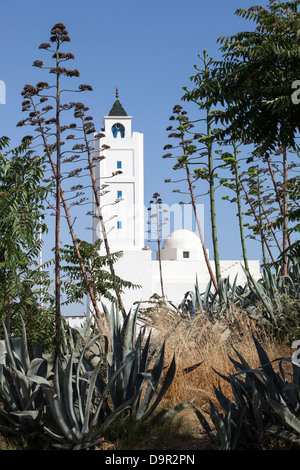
<point>120,175</point>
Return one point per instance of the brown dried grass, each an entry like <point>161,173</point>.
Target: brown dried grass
<point>202,341</point>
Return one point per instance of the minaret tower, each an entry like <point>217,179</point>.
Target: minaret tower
<point>120,176</point>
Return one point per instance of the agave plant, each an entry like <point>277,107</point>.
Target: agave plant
<point>227,431</point>
<point>143,380</point>
<point>272,292</point>
<point>23,401</point>
<point>77,403</point>
<point>262,300</point>
<point>217,305</point>
<point>265,403</point>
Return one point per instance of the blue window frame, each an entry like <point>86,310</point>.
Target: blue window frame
<point>118,129</point>
<point>119,164</point>
<point>119,194</point>
<point>119,224</point>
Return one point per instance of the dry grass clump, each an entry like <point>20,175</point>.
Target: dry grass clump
<point>202,340</point>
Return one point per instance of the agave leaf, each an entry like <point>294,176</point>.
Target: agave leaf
<point>155,377</point>
<point>145,352</point>
<point>234,287</point>
<point>23,387</point>
<point>205,425</point>
<point>291,394</point>
<point>244,365</point>
<point>2,351</point>
<point>39,380</point>
<point>133,369</point>
<point>198,301</point>
<point>189,369</point>
<point>284,434</point>
<point>58,378</point>
<point>91,389</point>
<point>9,417</point>
<point>238,428</point>
<point>166,384</point>
<point>222,399</point>
<point>68,394</point>
<point>225,335</point>
<point>24,349</point>
<point>9,351</point>
<point>206,294</point>
<point>256,408</point>
<point>263,357</point>
<point>221,427</point>
<point>141,379</point>
<point>128,332</point>
<point>8,392</point>
<point>158,366</point>
<point>107,388</point>
<point>30,414</point>
<point>53,435</point>
<point>81,395</point>
<point>170,414</point>
<point>57,412</point>
<point>285,414</point>
<point>241,367</point>
<point>114,415</point>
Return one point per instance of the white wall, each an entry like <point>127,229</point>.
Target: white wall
<point>180,276</point>
<point>135,266</point>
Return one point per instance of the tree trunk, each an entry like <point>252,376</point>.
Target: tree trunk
<point>285,212</point>
<point>240,214</point>
<point>212,188</point>
<point>159,255</point>
<point>72,233</point>
<point>258,223</point>
<point>57,220</point>
<point>211,273</point>
<point>278,197</point>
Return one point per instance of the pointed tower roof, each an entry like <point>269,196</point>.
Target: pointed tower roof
<point>117,109</point>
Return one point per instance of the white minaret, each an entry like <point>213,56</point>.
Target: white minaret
<point>121,181</point>
<point>120,177</point>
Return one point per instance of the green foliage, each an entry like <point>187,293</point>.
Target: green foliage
<point>97,268</point>
<point>253,81</point>
<point>62,404</point>
<point>21,207</point>
<point>213,304</point>
<point>22,400</point>
<point>142,380</point>
<point>77,402</point>
<point>273,300</point>
<point>68,403</point>
<point>265,403</point>
<point>292,252</point>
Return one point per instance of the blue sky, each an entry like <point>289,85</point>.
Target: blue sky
<point>147,50</point>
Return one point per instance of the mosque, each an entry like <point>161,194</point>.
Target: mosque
<point>119,170</point>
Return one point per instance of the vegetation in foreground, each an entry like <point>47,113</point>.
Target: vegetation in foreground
<point>227,371</point>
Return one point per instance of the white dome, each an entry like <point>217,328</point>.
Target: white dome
<point>182,239</point>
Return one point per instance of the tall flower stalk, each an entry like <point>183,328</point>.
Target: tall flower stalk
<point>50,130</point>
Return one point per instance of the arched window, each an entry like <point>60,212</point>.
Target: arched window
<point>118,128</point>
